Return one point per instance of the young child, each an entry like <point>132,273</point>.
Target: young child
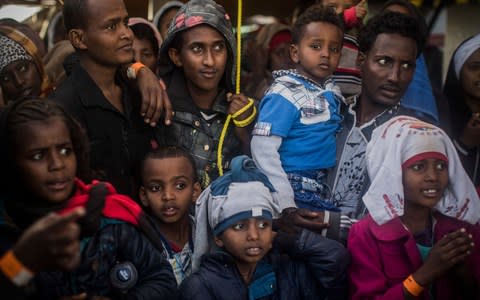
<point>418,240</point>
<point>43,153</point>
<point>169,188</point>
<point>238,256</point>
<point>146,42</point>
<point>294,140</point>
<point>197,63</point>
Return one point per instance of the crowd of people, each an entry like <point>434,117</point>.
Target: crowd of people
<point>133,167</point>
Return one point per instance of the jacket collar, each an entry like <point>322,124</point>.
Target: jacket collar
<point>182,101</point>
<point>390,231</point>
<point>91,95</point>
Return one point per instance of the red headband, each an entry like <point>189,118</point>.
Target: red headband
<point>421,156</point>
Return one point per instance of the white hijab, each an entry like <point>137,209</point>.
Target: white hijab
<point>393,144</point>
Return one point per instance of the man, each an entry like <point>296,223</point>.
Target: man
<point>99,97</point>
<point>388,47</point>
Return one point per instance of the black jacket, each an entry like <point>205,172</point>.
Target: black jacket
<point>309,267</point>
<point>117,244</point>
<point>193,132</point>
<point>118,141</point>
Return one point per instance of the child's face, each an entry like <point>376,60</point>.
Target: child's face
<point>107,36</point>
<point>424,182</point>
<point>169,188</point>
<point>144,53</point>
<point>470,76</point>
<point>203,56</point>
<point>280,57</point>
<point>248,240</point>
<point>20,79</point>
<point>318,52</point>
<point>45,159</point>
<point>387,69</point>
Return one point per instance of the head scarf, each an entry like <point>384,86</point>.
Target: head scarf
<point>464,52</point>
<point>194,13</point>
<point>398,143</point>
<point>31,50</point>
<point>11,51</point>
<point>458,109</point>
<point>133,21</point>
<point>243,192</point>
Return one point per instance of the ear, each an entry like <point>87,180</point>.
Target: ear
<point>218,242</point>
<point>175,57</point>
<point>294,53</point>
<point>361,57</point>
<point>77,38</point>
<point>143,196</point>
<point>197,190</point>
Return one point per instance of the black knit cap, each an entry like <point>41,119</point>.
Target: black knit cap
<point>194,13</point>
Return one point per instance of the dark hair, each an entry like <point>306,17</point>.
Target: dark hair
<point>169,152</point>
<point>35,109</point>
<point>144,32</point>
<point>75,14</point>
<point>315,13</point>
<point>389,22</point>
<point>414,12</point>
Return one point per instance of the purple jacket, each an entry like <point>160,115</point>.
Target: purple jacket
<point>384,256</point>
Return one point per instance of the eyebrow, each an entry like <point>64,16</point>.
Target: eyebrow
<point>46,147</point>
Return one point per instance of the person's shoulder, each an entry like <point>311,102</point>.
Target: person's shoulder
<point>193,287</point>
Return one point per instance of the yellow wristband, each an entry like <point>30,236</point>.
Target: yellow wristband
<point>248,120</point>
<point>14,269</point>
<point>412,286</point>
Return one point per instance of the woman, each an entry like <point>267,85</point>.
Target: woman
<point>462,90</point>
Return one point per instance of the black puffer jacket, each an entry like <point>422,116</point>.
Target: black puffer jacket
<point>115,245</point>
<point>309,267</point>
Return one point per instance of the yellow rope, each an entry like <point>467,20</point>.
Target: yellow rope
<point>237,87</point>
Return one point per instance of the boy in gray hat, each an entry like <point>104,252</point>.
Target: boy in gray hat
<point>238,256</point>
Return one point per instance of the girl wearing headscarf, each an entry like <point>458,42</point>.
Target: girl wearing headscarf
<point>421,237</point>
<point>237,256</point>
<point>21,68</point>
<point>462,90</point>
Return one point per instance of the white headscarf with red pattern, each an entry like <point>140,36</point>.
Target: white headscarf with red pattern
<point>395,143</point>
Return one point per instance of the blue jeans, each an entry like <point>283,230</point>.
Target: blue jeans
<point>311,191</point>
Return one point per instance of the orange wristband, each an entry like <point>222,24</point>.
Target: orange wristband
<point>412,286</point>
<point>133,70</point>
<point>14,269</point>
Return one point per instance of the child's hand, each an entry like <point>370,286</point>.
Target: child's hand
<point>55,240</point>
<point>361,9</point>
<point>237,102</point>
<point>452,249</point>
<point>293,220</point>
<point>471,132</point>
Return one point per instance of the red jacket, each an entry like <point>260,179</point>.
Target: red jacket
<point>384,256</point>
